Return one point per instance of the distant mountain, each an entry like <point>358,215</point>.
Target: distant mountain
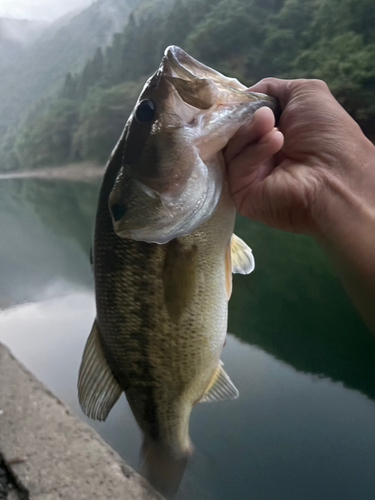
<point>15,35</point>
<point>21,31</point>
<point>33,70</point>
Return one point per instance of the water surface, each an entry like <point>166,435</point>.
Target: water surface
<point>303,361</point>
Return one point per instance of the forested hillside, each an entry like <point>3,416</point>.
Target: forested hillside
<point>329,39</point>
<point>34,71</point>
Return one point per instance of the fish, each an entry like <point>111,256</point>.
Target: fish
<point>164,252</point>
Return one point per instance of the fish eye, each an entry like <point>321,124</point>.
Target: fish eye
<point>145,111</point>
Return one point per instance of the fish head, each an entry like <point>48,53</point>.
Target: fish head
<point>173,171</point>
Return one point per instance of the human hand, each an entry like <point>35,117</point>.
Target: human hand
<point>303,176</point>
<point>316,175</point>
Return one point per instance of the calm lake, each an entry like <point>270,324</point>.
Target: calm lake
<point>303,427</point>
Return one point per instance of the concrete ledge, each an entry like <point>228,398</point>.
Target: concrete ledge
<point>53,454</point>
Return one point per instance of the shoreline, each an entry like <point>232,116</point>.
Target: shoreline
<point>85,171</point>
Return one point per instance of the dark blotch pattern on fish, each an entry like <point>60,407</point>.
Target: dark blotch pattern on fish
<point>122,313</point>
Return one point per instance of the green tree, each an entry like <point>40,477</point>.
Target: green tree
<point>346,63</point>
<point>329,39</point>
<point>130,47</point>
<point>47,139</point>
<point>113,61</point>
<point>177,25</point>
<point>227,35</point>
<point>102,118</point>
<point>69,90</point>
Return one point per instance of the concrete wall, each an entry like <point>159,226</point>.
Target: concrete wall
<point>50,452</point>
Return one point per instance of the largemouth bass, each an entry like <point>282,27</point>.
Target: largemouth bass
<point>164,253</point>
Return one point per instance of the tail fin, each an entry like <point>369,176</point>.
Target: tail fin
<point>161,469</point>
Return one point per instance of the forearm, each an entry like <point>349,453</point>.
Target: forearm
<point>347,233</point>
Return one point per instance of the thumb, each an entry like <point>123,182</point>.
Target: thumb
<point>261,123</point>
<point>253,164</point>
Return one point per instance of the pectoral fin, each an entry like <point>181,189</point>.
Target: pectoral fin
<point>220,387</point>
<point>242,256</point>
<point>179,278</point>
<point>228,272</point>
<point>98,390</point>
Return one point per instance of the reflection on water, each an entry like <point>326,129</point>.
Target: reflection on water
<point>46,230</point>
<point>298,430</point>
<point>295,308</point>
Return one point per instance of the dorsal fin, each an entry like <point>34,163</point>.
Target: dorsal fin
<point>220,387</point>
<point>98,390</point>
<point>242,256</point>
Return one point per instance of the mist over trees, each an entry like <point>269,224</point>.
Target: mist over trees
<point>35,57</point>
<point>329,39</point>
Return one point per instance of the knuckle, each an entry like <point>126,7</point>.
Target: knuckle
<point>313,83</point>
<point>292,85</point>
<point>319,84</point>
<point>268,79</point>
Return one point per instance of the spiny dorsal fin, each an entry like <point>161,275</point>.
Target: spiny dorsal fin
<point>179,278</point>
<point>98,390</point>
<point>242,256</point>
<point>220,388</point>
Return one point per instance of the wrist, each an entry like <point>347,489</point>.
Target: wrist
<point>347,234</point>
<point>345,208</point>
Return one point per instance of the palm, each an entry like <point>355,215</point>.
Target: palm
<point>281,188</point>
<point>281,199</point>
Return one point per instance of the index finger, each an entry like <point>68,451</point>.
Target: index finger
<point>275,87</point>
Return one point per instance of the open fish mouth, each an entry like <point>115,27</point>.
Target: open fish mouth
<point>173,169</point>
<point>178,63</point>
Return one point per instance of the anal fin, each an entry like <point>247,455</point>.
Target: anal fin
<point>220,388</point>
<point>242,256</point>
<point>98,390</point>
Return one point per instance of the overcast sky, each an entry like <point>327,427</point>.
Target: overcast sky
<point>47,10</point>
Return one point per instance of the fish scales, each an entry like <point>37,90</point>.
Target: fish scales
<point>144,347</point>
